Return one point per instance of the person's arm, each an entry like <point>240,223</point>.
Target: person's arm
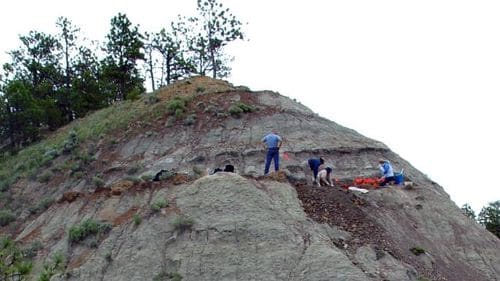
<point>381,168</point>
<point>263,141</point>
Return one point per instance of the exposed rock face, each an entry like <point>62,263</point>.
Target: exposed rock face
<point>242,226</point>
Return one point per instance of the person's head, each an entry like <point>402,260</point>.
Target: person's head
<point>274,131</point>
<point>321,160</point>
<point>381,161</point>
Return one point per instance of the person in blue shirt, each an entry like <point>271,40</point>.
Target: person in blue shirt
<point>273,143</point>
<point>314,164</point>
<point>386,171</point>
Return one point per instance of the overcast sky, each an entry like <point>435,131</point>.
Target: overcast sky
<point>420,76</point>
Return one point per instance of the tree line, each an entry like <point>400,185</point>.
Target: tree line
<point>489,216</point>
<point>52,79</point>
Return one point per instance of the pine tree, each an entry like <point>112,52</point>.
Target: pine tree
<point>216,27</point>
<point>489,217</point>
<point>468,211</point>
<point>68,36</point>
<point>124,49</point>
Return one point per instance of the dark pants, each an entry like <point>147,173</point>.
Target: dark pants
<point>272,154</point>
<point>387,180</point>
<point>314,168</point>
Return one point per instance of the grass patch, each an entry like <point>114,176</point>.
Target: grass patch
<point>98,182</point>
<point>417,251</point>
<point>182,223</point>
<point>6,217</point>
<point>117,117</point>
<point>6,182</point>
<point>45,176</point>
<point>133,179</point>
<point>159,204</point>
<point>176,106</point>
<point>42,205</point>
<point>13,261</point>
<point>134,169</point>
<point>167,276</point>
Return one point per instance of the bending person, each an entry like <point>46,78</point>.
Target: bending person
<point>314,164</point>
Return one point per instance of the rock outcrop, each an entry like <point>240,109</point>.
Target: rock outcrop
<point>243,226</point>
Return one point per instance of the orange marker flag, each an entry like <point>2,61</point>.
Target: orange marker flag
<point>285,156</point>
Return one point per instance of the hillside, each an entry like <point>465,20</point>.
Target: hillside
<point>85,195</point>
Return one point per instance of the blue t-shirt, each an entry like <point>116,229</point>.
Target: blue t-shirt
<point>271,140</point>
<point>386,170</point>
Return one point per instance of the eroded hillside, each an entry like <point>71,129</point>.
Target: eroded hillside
<point>87,195</point>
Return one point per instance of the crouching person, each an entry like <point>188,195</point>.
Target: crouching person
<point>325,176</point>
<point>386,171</point>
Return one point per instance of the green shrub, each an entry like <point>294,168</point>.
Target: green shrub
<point>178,113</point>
<point>6,217</point>
<point>87,228</point>
<point>198,171</point>
<point>176,104</point>
<point>200,89</point>
<point>97,181</point>
<point>71,142</point>
<point>239,108</point>
<point>235,110</point>
<point>182,223</point>
<point>79,174</point>
<point>137,219</point>
<point>50,269</point>
<point>245,107</point>
<point>190,120</point>
<point>108,257</point>
<point>147,177</point>
<point>135,94</point>
<point>133,179</point>
<point>45,176</point>
<point>152,98</point>
<point>92,242</point>
<point>75,167</point>
<point>159,204</point>
<point>85,158</point>
<point>417,251</point>
<point>51,153</point>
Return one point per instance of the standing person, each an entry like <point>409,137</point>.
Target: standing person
<point>386,171</point>
<point>273,143</point>
<point>314,164</point>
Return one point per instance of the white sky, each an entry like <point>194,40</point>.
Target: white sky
<point>420,76</point>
